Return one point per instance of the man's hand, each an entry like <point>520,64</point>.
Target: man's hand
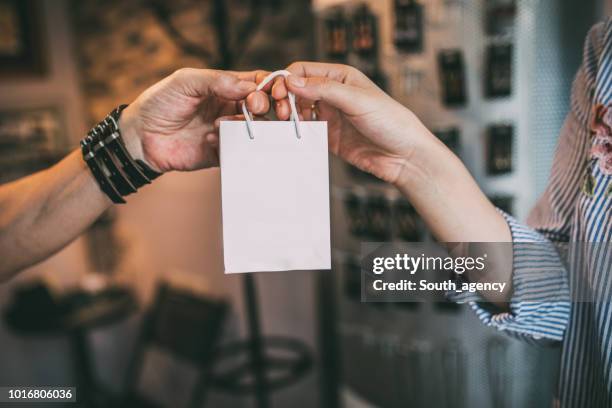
<point>366,126</point>
<point>171,125</point>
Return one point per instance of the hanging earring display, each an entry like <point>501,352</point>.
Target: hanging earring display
<point>365,45</point>
<point>364,32</point>
<point>336,36</point>
<point>499,17</point>
<point>408,32</point>
<point>499,149</point>
<point>451,138</point>
<point>498,78</point>
<point>452,77</point>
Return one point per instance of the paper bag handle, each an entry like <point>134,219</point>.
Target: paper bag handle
<point>294,115</point>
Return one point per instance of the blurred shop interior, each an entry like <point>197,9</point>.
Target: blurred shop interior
<point>138,310</point>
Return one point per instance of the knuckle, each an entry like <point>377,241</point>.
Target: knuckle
<point>182,72</point>
<point>261,73</point>
<point>295,66</point>
<point>325,84</point>
<point>352,70</point>
<point>223,80</point>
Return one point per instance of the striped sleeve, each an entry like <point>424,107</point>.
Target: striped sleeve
<point>540,304</point>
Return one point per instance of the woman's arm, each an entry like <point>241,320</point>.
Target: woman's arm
<point>370,130</point>
<point>456,210</point>
<point>447,197</point>
<point>375,133</point>
<point>170,126</point>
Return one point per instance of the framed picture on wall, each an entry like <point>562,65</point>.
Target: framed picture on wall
<point>21,45</point>
<point>30,139</point>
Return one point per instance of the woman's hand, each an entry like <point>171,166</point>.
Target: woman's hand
<point>171,125</point>
<point>366,126</point>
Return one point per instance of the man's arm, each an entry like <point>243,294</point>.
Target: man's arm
<point>42,213</point>
<point>170,126</point>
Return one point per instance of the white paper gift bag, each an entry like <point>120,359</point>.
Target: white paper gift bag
<point>275,195</point>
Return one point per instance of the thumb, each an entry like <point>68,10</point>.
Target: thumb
<point>228,86</point>
<point>341,96</point>
<point>205,82</point>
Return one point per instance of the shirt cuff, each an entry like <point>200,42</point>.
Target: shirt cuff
<point>540,303</point>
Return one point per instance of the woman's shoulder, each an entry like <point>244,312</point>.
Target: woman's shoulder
<point>597,40</point>
<point>592,82</point>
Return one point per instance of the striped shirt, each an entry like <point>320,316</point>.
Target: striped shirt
<point>548,303</point>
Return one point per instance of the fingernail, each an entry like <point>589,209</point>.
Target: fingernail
<point>257,105</point>
<point>297,81</point>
